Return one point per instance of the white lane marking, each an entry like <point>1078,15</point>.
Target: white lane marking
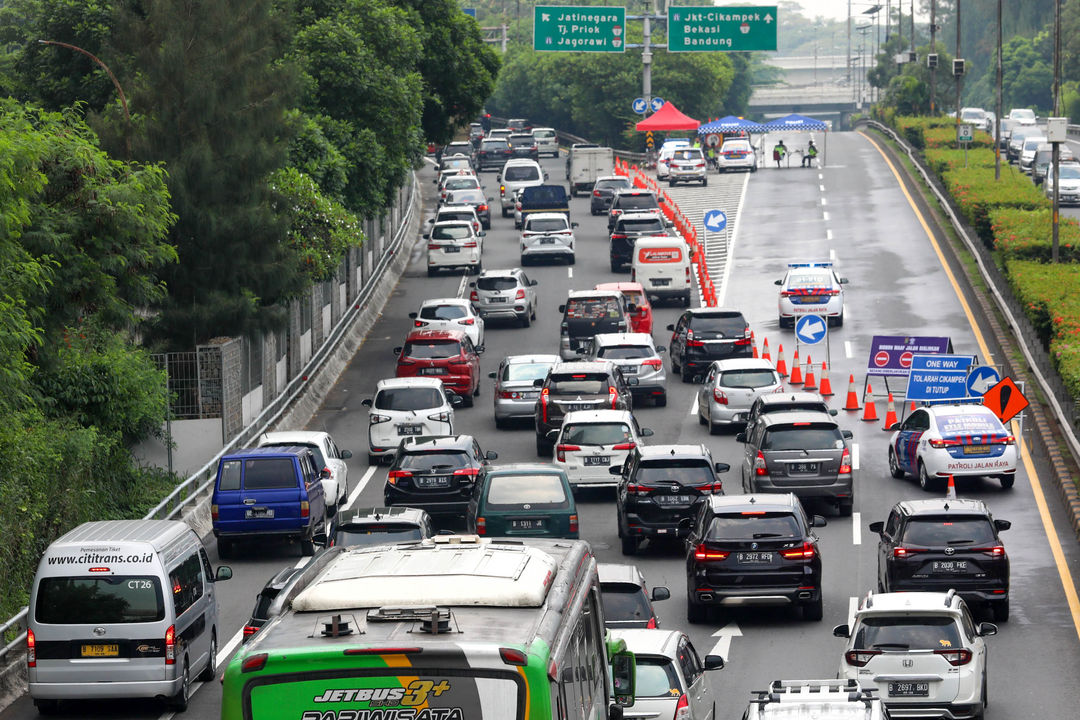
<point>721,293</point>
<point>824,202</point>
<point>301,563</point>
<point>828,235</point>
<point>854,456</point>
<point>723,644</point>
<point>362,484</point>
<point>856,528</point>
<point>832,254</point>
<point>822,187</point>
<point>226,652</point>
<point>826,216</point>
<point>461,285</point>
<point>848,350</point>
<point>693,406</point>
<point>820,176</point>
<point>852,608</point>
<point>570,272</point>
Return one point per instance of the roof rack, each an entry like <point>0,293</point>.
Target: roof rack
<point>803,690</point>
<point>869,601</point>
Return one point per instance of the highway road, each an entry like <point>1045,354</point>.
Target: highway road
<point>855,211</point>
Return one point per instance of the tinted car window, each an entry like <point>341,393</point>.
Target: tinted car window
<point>936,531</point>
<point>526,371</point>
<point>517,173</point>
<point>434,461</point>
<point>99,600</point>
<point>747,378</point>
<point>230,475</point>
<point>545,224</point>
<point>409,399</point>
<point>494,145</point>
<point>813,437</point>
<point>496,283</point>
<point>611,184</point>
<point>624,601</point>
<point>362,534</point>
<point>468,197</point>
<point>578,383</point>
<point>637,202</point>
<point>443,312</point>
<point>320,461</point>
<point>907,633</point>
<point>539,491</point>
<point>686,472</point>
<point>737,526</point>
<point>464,183</point>
<point>432,349</point>
<point>467,215</point>
<point>642,225</point>
<point>593,308</point>
<point>269,473</point>
<point>624,352</point>
<point>656,677</point>
<point>455,163</point>
<point>725,324</point>
<point>451,232</point>
<point>767,408</point>
<point>597,434</point>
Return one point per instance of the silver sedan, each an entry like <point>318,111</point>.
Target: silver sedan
<point>730,388</point>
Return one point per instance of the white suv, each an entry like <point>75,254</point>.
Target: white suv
<point>923,652</point>
<point>516,175</point>
<point>687,165</point>
<point>592,441</point>
<point>454,245</point>
<point>816,699</point>
<point>547,235</point>
<point>406,407</point>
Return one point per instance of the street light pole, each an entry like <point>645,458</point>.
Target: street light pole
<point>959,78</point>
<point>646,58</point>
<point>1056,156</point>
<point>933,49</point>
<point>997,106</point>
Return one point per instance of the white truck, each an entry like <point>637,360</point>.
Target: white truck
<point>585,164</point>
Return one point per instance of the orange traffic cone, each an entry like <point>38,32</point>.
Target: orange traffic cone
<point>912,406</point>
<point>852,402</point>
<point>890,415</point>
<point>811,381</point>
<point>870,411</point>
<point>753,344</point>
<point>796,370</point>
<point>826,386</point>
<point>781,364</point>
<point>950,489</point>
<point>765,351</point>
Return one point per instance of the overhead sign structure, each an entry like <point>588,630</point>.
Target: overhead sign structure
<point>811,329</point>
<point>981,379</point>
<point>639,106</point>
<point>938,377</point>
<point>731,29</point>
<point>571,28</point>
<point>715,220</point>
<point>657,103</point>
<point>891,355</point>
<point>1005,400</point>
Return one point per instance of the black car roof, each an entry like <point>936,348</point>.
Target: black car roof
<point>712,312</point>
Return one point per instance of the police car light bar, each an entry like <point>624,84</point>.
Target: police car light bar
<point>809,264</point>
<point>954,401</point>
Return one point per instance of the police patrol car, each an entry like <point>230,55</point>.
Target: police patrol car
<point>811,288</point>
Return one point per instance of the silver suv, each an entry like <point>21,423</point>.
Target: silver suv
<point>687,165</point>
<point>637,357</point>
<point>505,293</point>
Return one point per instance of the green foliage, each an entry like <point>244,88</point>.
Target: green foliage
<point>945,137</point>
<point>943,159</point>
<point>1027,235</point>
<point>1050,295</point>
<point>914,128</point>
<point>312,153</point>
<point>977,194</point>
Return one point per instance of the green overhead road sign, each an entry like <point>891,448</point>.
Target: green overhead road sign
<point>730,29</point>
<point>569,28</point>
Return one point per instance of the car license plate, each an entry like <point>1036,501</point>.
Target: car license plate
<point>754,558</point>
<point>802,468</point>
<point>598,460</point>
<point>976,449</point>
<point>497,299</point>
<point>807,300</point>
<point>432,481</point>
<point>410,429</point>
<point>451,248</point>
<point>950,566</point>
<point>528,524</point>
<point>571,407</point>
<point>672,499</point>
<point>95,651</point>
<point>629,369</point>
<point>259,513</point>
<point>909,689</point>
<point>433,371</point>
<point>547,241</point>
<point>661,282</point>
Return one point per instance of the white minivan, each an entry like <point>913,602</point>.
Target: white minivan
<point>662,266</point>
<point>122,609</point>
<point>547,141</point>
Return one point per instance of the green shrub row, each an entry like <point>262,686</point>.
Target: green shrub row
<point>914,128</point>
<point>977,193</point>
<point>1050,294</point>
<point>1027,235</point>
<point>945,137</point>
<point>941,159</point>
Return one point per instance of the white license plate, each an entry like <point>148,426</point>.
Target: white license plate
<point>257,513</point>
<point>672,499</point>
<point>950,566</point>
<point>433,371</point>
<point>598,460</point>
<point>572,407</point>
<point>630,369</point>
<point>661,282</point>
<point>547,241</point>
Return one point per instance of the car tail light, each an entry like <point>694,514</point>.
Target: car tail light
<point>703,553</point>
<point>624,446</point>
<point>520,295</point>
<point>615,212</point>
<point>502,189</point>
<point>467,472</point>
<point>845,463</point>
<point>481,208</point>
<point>467,321</point>
<point>859,658</point>
<point>31,649</point>
<point>1007,440</point>
<point>561,450</point>
<point>544,404</point>
<point>760,468</point>
<point>638,489</point>
<point>719,396</point>
<point>651,625</point>
<point>655,363</point>
<point>955,656</point>
<point>998,551</point>
<point>170,645</point>
<point>254,663</point>
<point>939,443</point>
<point>433,246</point>
<point>613,395</point>
<point>618,236</point>
<point>305,509</point>
<point>800,553</point>
<point>419,323</point>
<point>395,475</point>
<point>481,526</point>
<point>831,292</point>
<point>469,245</point>
<point>474,296</point>
<point>250,630</point>
<point>596,193</point>
<point>786,293</point>
<point>687,274</point>
<point>903,552</point>
<point>214,512</point>
<point>682,710</point>
<point>375,419</point>
<point>573,524</point>
<point>713,487</point>
<point>742,341</point>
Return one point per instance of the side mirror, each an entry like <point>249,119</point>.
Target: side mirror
<point>623,678</point>
<point>615,470</point>
<point>741,437</point>
<point>894,426</point>
<point>660,349</point>
<point>538,382</point>
<point>848,435</point>
<point>397,350</point>
<point>1002,524</point>
<point>224,572</point>
<point>877,527</point>
<point>721,467</point>
<point>427,236</point>
<point>832,411</point>
<point>671,328</point>
<point>660,593</point>
<point>346,454</point>
<point>843,281</point>
<point>366,402</point>
<point>778,282</point>
<point>714,662</point>
<point>533,283</point>
<point>479,349</point>
<point>818,521</point>
<point>455,399</point>
<point>841,631</point>
<point>573,224</point>
<point>472,284</point>
<point>987,629</point>
<point>646,432</point>
<point>491,455</point>
<point>490,199</point>
<point>324,474</point>
<point>412,316</point>
<point>493,374</point>
<point>562,308</point>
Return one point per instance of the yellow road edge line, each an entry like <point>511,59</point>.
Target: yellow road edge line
<point>1067,582</point>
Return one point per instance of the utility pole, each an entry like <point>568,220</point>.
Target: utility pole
<point>959,78</point>
<point>646,57</point>
<point>933,49</point>
<point>997,106</point>
<point>1056,157</point>
<point>849,41</point>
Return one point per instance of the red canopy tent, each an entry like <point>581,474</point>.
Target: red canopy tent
<point>668,117</point>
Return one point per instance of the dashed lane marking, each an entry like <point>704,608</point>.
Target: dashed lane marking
<point>854,456</point>
<point>825,215</point>
<point>856,528</point>
<point>848,350</point>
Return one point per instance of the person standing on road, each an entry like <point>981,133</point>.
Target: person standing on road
<point>779,152</point>
<point>710,155</point>
<point>810,155</point>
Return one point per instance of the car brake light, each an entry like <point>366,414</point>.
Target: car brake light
<point>467,472</point>
<point>467,321</point>
<point>682,709</point>
<point>624,446</point>
<point>694,343</point>
<point>433,246</point>
<point>998,551</point>
<point>254,663</point>
<point>213,512</point>
<point>419,323</point>
<point>786,293</point>
<point>520,295</point>
<point>955,656</point>
<point>653,363</point>
<point>800,553</point>
<point>250,630</point>
<point>618,236</point>
<point>544,404</point>
<point>719,396</point>
<point>573,524</point>
<point>596,193</point>
<point>760,468</point>
<point>481,208</point>
<point>396,475</point>
<point>561,451</point>
<point>170,645</point>
<point>474,297</point>
<point>305,509</point>
<point>638,489</point>
<point>470,245</point>
<point>859,658</point>
<point>1007,440</point>
<point>742,341</point>
<point>481,526</point>
<point>703,553</point>
<point>845,463</point>
<point>502,189</point>
<point>903,552</point>
<point>713,487</point>
<point>31,649</point>
<point>651,625</point>
<point>687,274</point>
<point>939,443</point>
<point>615,211</point>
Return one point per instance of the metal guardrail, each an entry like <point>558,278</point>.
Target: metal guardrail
<point>183,494</point>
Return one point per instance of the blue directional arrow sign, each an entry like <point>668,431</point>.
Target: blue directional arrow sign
<point>639,105</point>
<point>657,103</point>
<point>980,379</point>
<point>715,220</point>
<point>811,329</point>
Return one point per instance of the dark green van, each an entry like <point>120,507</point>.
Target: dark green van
<point>524,500</point>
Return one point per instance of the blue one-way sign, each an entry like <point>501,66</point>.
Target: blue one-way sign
<point>639,105</point>
<point>938,377</point>
<point>715,220</point>
<point>811,329</point>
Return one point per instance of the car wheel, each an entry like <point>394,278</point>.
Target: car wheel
<point>714,429</point>
<point>431,272</point>
<point>1001,610</point>
<point>486,225</point>
<point>925,481</point>
<point>476,392</point>
<point>224,548</point>
<point>525,321</point>
<point>661,400</point>
<point>704,182</point>
<point>814,611</point>
<point>543,447</point>
<point>505,213</point>
<point>1007,481</point>
<point>179,701</point>
<point>629,545</point>
<point>307,546</point>
<point>477,268</point>
<point>894,466</point>
<point>207,673</point>
<point>467,400</point>
<point>696,613</point>
<point>846,507</point>
<point>47,707</point>
<point>571,260</point>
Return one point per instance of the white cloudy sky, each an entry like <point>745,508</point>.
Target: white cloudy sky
<point>838,8</point>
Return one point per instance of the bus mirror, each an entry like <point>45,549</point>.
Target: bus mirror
<point>623,678</point>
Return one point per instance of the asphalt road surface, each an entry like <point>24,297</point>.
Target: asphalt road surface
<point>854,211</point>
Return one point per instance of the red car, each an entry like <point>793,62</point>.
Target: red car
<point>641,318</point>
<point>445,354</point>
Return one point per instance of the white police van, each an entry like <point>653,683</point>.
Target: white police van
<point>122,609</point>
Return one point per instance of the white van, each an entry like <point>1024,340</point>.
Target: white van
<point>122,609</point>
<point>547,141</point>
<point>516,175</point>
<point>662,266</point>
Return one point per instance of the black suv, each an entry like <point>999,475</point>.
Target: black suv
<point>758,549</point>
<point>523,145</point>
<point>380,525</point>
<point>492,154</point>
<point>661,490</point>
<point>633,200</point>
<point>628,228</point>
<point>436,473</point>
<point>574,386</point>
<point>785,402</point>
<point>942,543</point>
<point>702,335</point>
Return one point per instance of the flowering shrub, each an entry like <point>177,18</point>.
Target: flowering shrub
<point>942,159</point>
<point>1050,295</point>
<point>1027,234</point>
<point>976,193</point>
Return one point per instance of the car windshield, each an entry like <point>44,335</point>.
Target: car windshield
<point>545,224</point>
<point>363,534</point>
<point>1022,114</point>
<point>596,434</point>
<point>444,312</point>
<point>624,601</point>
<point>637,202</point>
<point>593,308</point>
<point>655,677</point>
<point>539,491</point>
<point>578,384</point>
<point>519,173</point>
<point>451,232</point>
<point>437,460</point>
<point>724,324</point>
<point>949,531</point>
<point>752,525</point>
<point>497,282</point>
<point>611,184</point>
<point>747,378</point>
<point>910,632</point>
<point>1068,172</point>
<point>432,349</point>
<point>526,371</point>
<point>804,280</point>
<point>803,437</point>
<point>625,352</point>
<point>110,599</point>
<point>686,472</point>
<point>406,399</point>
<point>645,225</point>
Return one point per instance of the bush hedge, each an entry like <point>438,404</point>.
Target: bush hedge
<point>914,128</point>
<point>1027,235</point>
<point>942,159</point>
<point>977,194</point>
<point>1050,295</point>
<point>945,137</point>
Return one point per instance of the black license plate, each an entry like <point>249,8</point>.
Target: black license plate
<point>432,481</point>
<point>571,407</point>
<point>528,524</point>
<point>802,468</point>
<point>547,241</point>
<point>950,566</point>
<point>433,371</point>
<point>410,429</point>
<point>629,369</point>
<point>598,460</point>
<point>754,558</point>
<point>259,513</point>
<point>672,499</point>
<point>909,689</point>
<point>661,282</point>
<point>451,248</point>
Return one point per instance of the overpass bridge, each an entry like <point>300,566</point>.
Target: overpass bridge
<point>817,86</point>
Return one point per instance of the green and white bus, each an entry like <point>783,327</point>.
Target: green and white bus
<point>451,628</point>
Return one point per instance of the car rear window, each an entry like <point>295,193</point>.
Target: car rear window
<point>656,677</point>
<point>545,224</point>
<point>963,425</point>
<point>803,437</point>
<point>444,312</point>
<point>767,408</point>
<point>462,183</point>
<point>456,163</point>
<point>637,202</point>
<point>690,154</point>
<point>747,378</point>
<point>361,534</point>
<point>597,434</point>
<point>752,525</point>
<point>727,324</point>
<point>269,474</point>
<point>625,352</point>
<point>801,280</point>
<point>912,632</point>
<point>578,384</point>
<point>99,600</point>
<point>540,491</point>
<point>519,173</point>
<point>407,399</point>
<point>624,601</point>
<point>465,215</point>
<point>496,283</point>
<point>634,297</point>
<point>467,197</point>
<point>686,472</point>
<point>954,531</point>
<point>441,460</point>
<point>644,225</point>
<point>432,349</point>
<point>493,145</point>
<point>593,308</point>
<point>736,146</point>
<point>540,133</point>
<point>611,184</point>
<point>521,139</point>
<point>526,371</point>
<point>545,194</point>
<point>451,232</point>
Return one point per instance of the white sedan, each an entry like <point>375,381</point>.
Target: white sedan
<point>591,442</point>
<point>811,288</point>
<point>450,314</point>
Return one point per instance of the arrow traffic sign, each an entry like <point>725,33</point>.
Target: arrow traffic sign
<point>1005,400</point>
<point>715,220</point>
<point>579,28</point>
<point>811,329</point>
<point>639,105</point>
<point>725,29</point>
<point>657,103</point>
<point>723,644</point>
<point>981,379</point>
